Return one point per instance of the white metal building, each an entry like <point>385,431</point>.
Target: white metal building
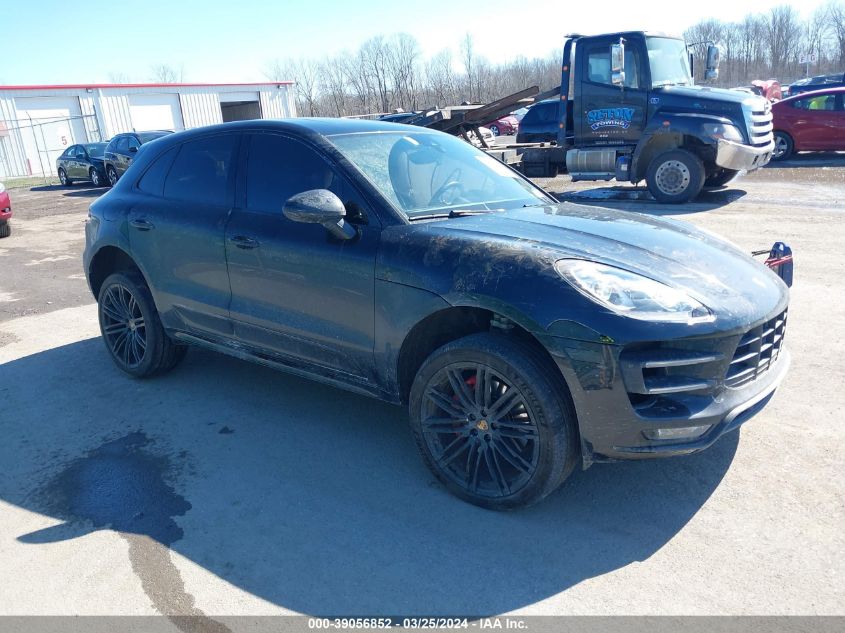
<point>37,123</point>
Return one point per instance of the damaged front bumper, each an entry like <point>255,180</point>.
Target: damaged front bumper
<point>737,156</point>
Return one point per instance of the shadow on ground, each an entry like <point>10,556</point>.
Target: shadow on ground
<point>640,200</point>
<point>309,497</point>
<point>809,159</point>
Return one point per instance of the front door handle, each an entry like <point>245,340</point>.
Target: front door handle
<point>141,224</point>
<point>242,241</point>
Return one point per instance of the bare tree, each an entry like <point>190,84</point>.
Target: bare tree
<point>468,58</point>
<point>402,55</point>
<point>836,14</point>
<point>167,74</point>
<point>440,78</point>
<point>118,77</point>
<point>303,72</point>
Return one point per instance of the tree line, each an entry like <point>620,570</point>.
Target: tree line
<point>769,45</point>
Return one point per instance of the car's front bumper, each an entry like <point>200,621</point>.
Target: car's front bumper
<point>736,156</point>
<point>617,416</point>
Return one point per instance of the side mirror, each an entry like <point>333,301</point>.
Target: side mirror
<point>133,150</point>
<point>617,63</point>
<point>320,206</point>
<point>713,58</point>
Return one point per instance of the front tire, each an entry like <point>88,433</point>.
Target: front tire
<point>5,229</point>
<point>493,421</point>
<point>784,146</point>
<point>494,129</point>
<point>94,175</point>
<point>675,176</point>
<point>131,328</point>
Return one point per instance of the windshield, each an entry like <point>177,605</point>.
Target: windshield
<point>669,62</point>
<point>96,150</point>
<point>425,173</point>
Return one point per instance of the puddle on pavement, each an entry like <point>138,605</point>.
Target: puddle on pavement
<point>122,485</point>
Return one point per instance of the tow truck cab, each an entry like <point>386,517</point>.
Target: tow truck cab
<point>632,112</point>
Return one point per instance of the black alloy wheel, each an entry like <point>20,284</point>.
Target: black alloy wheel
<point>493,421</point>
<point>131,328</point>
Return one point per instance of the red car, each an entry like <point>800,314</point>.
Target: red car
<point>507,125</point>
<point>809,122</point>
<point>5,212</point>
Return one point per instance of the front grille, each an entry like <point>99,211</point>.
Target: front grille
<point>756,352</point>
<point>760,125</point>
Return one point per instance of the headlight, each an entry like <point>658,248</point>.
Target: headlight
<point>630,294</point>
<point>723,131</point>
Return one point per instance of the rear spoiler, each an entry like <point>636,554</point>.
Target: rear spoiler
<point>779,259</point>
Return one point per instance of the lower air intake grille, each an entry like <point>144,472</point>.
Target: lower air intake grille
<point>757,351</point>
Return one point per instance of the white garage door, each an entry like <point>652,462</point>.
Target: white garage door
<point>56,124</point>
<point>156,112</point>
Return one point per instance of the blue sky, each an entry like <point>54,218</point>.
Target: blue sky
<point>83,42</point>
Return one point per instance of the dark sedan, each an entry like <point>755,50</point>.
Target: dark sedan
<point>526,337</point>
<point>122,149</point>
<point>82,162</point>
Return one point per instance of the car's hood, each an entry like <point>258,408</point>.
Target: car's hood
<point>672,252</point>
<point>706,92</point>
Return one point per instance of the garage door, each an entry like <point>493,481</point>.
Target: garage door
<point>156,112</point>
<point>56,124</point>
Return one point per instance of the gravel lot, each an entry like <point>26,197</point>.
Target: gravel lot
<point>225,488</point>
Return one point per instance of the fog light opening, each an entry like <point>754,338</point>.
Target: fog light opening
<point>677,433</point>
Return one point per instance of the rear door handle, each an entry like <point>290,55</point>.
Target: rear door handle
<point>242,241</point>
<point>141,224</point>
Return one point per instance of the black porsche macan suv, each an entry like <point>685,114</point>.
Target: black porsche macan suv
<point>526,337</point>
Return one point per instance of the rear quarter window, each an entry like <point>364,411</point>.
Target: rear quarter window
<point>152,182</point>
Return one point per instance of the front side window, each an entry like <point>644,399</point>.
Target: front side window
<point>122,145</point>
<point>133,142</point>
<point>823,102</point>
<point>669,62</point>
<point>200,172</point>
<point>279,167</point>
<point>422,173</point>
<point>598,68</point>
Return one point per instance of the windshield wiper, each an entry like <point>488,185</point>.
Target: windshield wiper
<point>454,213</point>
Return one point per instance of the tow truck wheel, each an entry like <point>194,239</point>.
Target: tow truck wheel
<point>721,178</point>
<point>675,177</point>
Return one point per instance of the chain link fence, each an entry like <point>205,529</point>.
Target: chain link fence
<point>30,146</point>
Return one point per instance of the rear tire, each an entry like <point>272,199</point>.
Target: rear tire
<point>111,174</point>
<point>66,182</point>
<point>721,178</point>
<point>5,229</point>
<point>784,146</point>
<point>493,421</point>
<point>131,328</point>
<point>675,176</point>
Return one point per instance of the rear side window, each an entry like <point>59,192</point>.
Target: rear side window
<point>152,182</point>
<point>201,170</point>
